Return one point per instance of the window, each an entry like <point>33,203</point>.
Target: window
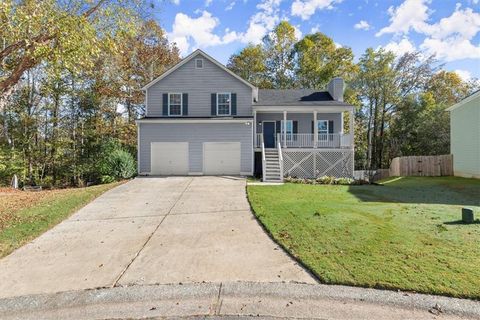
<point>223,104</point>
<point>174,104</point>
<point>198,63</point>
<point>322,129</point>
<point>288,128</point>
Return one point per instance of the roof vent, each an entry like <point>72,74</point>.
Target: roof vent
<point>336,88</point>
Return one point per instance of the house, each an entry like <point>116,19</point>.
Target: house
<point>465,136</point>
<point>202,119</point>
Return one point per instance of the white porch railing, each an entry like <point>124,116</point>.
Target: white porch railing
<point>307,140</point>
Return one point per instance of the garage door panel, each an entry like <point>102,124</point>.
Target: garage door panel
<point>169,158</point>
<point>221,158</point>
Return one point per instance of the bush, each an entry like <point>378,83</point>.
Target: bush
<point>114,163</point>
<point>325,180</point>
<point>119,165</point>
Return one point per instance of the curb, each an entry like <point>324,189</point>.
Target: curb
<point>287,300</point>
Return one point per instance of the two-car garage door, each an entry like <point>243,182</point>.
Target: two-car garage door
<point>172,158</point>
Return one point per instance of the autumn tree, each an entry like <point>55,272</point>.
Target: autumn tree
<point>250,65</point>
<point>74,32</point>
<point>280,56</point>
<point>319,60</point>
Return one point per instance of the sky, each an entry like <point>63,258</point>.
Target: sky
<point>447,28</point>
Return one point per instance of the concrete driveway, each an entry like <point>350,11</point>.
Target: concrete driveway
<point>150,231</point>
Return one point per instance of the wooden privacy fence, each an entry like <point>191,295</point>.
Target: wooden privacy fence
<point>427,166</point>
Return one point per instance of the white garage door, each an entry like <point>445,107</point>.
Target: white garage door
<point>169,158</point>
<point>221,158</point>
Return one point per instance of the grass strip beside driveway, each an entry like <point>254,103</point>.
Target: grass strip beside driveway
<point>26,215</point>
<point>403,235</point>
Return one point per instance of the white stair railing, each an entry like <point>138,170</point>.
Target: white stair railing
<point>264,160</point>
<point>280,159</point>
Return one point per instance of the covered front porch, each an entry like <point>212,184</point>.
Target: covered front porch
<point>300,127</point>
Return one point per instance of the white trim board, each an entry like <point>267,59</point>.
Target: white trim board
<point>190,57</point>
<point>246,121</point>
<point>302,109</point>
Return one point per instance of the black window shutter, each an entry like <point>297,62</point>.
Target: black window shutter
<point>185,104</point>
<point>295,127</point>
<point>213,100</point>
<point>234,104</point>
<point>313,127</point>
<point>278,127</point>
<point>165,104</point>
<point>330,126</point>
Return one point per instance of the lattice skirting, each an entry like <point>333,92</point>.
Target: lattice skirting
<point>318,163</point>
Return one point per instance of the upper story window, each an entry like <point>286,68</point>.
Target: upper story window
<point>224,104</point>
<point>198,63</point>
<point>174,104</point>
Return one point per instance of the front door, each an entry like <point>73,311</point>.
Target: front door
<point>269,134</point>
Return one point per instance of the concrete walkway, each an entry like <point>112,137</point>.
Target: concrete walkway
<point>148,231</point>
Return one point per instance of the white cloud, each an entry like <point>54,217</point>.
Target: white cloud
<point>464,23</point>
<point>306,8</point>
<point>199,30</point>
<point>298,32</point>
<point>401,47</point>
<point>411,14</point>
<point>230,6</point>
<point>449,39</point>
<point>464,74</point>
<point>450,49</point>
<point>176,2</point>
<point>315,29</point>
<point>262,22</point>
<point>208,3</point>
<point>362,25</point>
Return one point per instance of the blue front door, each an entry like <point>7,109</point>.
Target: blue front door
<point>269,134</point>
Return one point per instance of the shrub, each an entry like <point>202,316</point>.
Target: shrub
<point>114,163</point>
<point>119,165</point>
<point>324,180</point>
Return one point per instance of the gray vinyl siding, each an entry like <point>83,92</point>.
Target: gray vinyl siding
<point>199,84</point>
<point>465,139</point>
<point>195,134</point>
<point>304,120</point>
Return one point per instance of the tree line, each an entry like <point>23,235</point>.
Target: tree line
<point>71,73</point>
<point>400,100</point>
<point>70,79</point>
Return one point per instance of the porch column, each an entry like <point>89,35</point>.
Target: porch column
<point>352,129</point>
<point>255,129</point>
<point>284,129</point>
<point>315,129</point>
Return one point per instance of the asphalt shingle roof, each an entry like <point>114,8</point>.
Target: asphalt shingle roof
<point>296,97</point>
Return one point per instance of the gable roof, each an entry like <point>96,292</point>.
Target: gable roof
<point>465,100</point>
<point>190,57</point>
<point>296,97</point>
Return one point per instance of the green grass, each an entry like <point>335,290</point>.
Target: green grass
<point>404,235</point>
<point>35,218</point>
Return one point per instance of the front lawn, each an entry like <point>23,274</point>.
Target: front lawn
<point>404,235</point>
<point>26,215</point>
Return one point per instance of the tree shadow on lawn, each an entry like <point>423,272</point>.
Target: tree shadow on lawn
<point>426,190</point>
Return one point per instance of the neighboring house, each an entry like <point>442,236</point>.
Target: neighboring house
<point>465,136</point>
<point>202,119</point>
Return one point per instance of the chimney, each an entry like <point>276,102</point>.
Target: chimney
<point>335,88</point>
